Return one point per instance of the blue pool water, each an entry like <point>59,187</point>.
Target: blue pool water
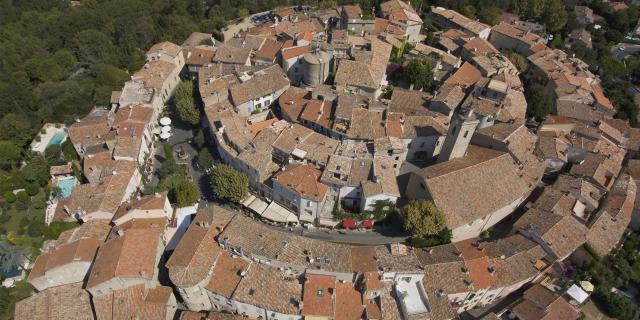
<point>12,273</point>
<point>57,138</point>
<point>66,185</point>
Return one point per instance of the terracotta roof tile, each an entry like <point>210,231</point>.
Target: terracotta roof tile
<point>63,302</point>
<point>318,295</point>
<point>131,256</point>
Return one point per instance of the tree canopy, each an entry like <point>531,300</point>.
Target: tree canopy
<point>186,103</point>
<point>539,102</point>
<point>228,183</point>
<point>186,193</point>
<point>423,219</point>
<point>419,72</point>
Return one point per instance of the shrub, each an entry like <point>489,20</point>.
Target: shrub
<point>9,197</point>
<point>23,196</point>
<point>32,189</point>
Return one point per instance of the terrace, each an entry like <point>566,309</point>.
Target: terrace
<point>50,134</point>
<point>412,296</point>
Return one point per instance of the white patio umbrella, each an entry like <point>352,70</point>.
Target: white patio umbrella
<point>165,129</point>
<point>165,135</point>
<point>165,121</point>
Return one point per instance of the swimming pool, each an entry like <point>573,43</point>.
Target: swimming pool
<point>11,273</point>
<point>65,185</point>
<point>58,138</point>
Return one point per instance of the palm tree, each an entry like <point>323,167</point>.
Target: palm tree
<point>11,256</point>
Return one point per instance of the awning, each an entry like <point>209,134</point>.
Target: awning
<point>577,294</point>
<point>587,286</point>
<point>328,222</point>
<point>258,206</point>
<point>367,224</point>
<point>278,213</point>
<point>165,121</point>
<point>349,224</point>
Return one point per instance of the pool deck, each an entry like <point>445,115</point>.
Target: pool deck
<point>50,132</point>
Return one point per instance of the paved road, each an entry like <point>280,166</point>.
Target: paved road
<point>622,50</point>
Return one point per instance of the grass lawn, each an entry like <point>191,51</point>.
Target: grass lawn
<point>591,312</point>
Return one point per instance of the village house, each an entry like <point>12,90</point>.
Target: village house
<point>609,225</point>
<point>539,302</point>
<point>100,200</point>
<point>192,262</point>
<point>366,75</point>
<point>199,56</point>
<point>505,36</point>
<point>351,18</point>
<point>291,55</point>
<point>66,264</point>
<point>403,17</point>
<point>257,90</point>
<point>136,302</point>
<point>136,92</point>
<point>228,54</point>
<point>91,130</point>
<point>127,260</point>
<point>584,14</point>
<point>161,72</point>
<point>68,301</point>
<point>268,53</point>
<point>298,188</point>
<point>577,92</point>
<point>452,19</point>
<point>152,206</point>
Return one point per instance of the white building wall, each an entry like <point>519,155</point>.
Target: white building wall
<point>248,310</point>
<point>196,298</point>
<point>430,145</point>
<point>350,196</point>
<point>474,228</point>
<point>220,303</point>
<point>367,202</point>
<point>165,212</point>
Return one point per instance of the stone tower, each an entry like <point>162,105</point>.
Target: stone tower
<point>463,125</point>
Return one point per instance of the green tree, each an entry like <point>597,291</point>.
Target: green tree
<point>423,219</point>
<point>9,197</point>
<point>535,8</point>
<point>205,159</point>
<point>489,15</point>
<point>199,139</point>
<point>228,183</point>
<point>555,16</point>
<point>36,170</point>
<point>420,73</point>
<point>93,47</point>
<point>186,193</point>
<point>469,11</point>
<point>31,189</point>
<point>185,103</point>
<point>10,154</point>
<point>53,155</point>
<point>16,128</point>
<point>539,102</point>
<point>518,60</point>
